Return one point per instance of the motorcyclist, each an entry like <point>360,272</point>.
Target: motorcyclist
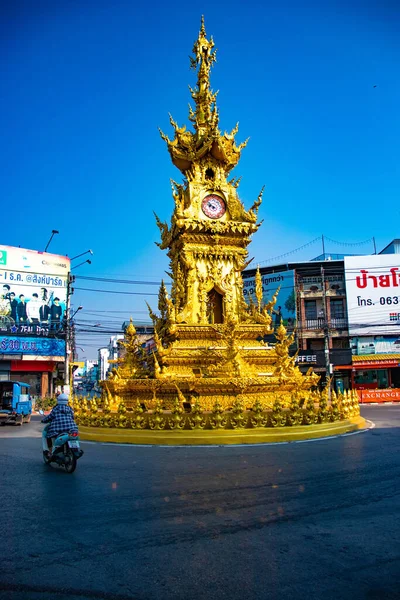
<point>61,420</point>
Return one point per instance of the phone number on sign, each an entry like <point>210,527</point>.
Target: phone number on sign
<point>389,300</point>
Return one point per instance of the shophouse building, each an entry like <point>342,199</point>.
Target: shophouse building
<point>340,331</point>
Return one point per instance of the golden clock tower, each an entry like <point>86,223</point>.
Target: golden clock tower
<point>210,228</point>
<point>208,340</point>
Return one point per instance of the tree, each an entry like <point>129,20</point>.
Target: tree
<point>290,303</point>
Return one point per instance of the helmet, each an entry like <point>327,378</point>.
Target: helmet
<point>62,399</point>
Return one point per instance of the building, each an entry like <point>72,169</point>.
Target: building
<point>312,302</point>
<point>336,334</point>
<point>109,353</point>
<point>373,306</point>
<point>33,311</point>
<point>103,364</point>
<point>392,248</point>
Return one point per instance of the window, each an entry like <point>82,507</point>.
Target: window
<point>337,308</point>
<point>315,344</point>
<point>341,343</point>
<point>310,309</point>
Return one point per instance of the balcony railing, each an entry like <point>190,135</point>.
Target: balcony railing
<point>318,324</point>
<point>317,293</point>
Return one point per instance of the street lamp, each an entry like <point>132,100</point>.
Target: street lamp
<point>53,233</point>
<point>77,310</point>
<point>82,254</point>
<point>82,263</point>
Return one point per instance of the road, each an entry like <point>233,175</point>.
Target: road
<point>315,520</point>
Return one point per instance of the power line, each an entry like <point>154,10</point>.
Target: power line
<point>317,239</point>
<point>127,281</point>
<point>349,243</point>
<point>116,292</point>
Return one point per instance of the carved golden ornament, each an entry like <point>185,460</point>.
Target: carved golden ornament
<point>310,415</point>
<point>177,418</point>
<point>323,411</point>
<point>196,418</point>
<point>295,413</point>
<point>334,407</point>
<point>218,419</point>
<point>156,418</point>
<point>258,418</point>
<point>278,415</point>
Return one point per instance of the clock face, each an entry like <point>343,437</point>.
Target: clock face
<point>213,206</point>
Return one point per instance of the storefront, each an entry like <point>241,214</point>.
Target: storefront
<point>376,372</point>
<point>5,368</point>
<point>339,361</point>
<point>37,373</point>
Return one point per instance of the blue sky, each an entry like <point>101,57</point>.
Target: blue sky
<point>85,84</point>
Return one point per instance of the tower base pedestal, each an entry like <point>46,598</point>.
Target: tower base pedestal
<point>256,435</point>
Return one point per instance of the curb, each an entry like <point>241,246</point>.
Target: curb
<point>222,437</point>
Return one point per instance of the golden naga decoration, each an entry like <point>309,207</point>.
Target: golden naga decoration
<point>211,367</point>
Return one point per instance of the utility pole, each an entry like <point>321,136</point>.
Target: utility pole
<point>69,333</point>
<point>68,338</point>
<point>66,389</point>
<point>326,335</point>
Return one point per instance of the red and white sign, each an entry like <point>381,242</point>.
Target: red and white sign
<point>390,395</point>
<point>377,364</point>
<point>373,294</point>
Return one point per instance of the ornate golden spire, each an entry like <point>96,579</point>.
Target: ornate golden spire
<point>205,117</point>
<point>188,148</point>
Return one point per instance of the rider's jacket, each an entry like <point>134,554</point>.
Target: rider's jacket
<point>61,420</point>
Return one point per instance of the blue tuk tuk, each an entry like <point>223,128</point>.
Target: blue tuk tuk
<point>15,402</point>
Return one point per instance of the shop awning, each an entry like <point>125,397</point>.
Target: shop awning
<point>376,361</point>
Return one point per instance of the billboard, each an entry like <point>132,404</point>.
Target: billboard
<point>361,346</point>
<point>33,297</point>
<point>32,345</point>
<point>373,294</point>
<point>284,310</point>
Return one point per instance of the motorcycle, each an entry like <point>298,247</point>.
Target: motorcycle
<point>65,450</point>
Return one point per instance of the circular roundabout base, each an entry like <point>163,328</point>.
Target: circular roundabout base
<point>212,437</point>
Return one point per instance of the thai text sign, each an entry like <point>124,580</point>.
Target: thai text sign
<point>35,346</point>
<point>33,292</point>
<point>373,294</point>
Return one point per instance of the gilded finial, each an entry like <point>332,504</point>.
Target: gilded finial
<point>202,28</point>
<point>130,330</point>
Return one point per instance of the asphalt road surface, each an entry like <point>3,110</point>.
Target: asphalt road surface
<point>314,520</point>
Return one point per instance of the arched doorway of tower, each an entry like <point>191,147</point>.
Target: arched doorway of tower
<point>215,308</point>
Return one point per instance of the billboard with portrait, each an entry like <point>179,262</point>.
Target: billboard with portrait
<point>373,294</point>
<point>284,310</point>
<point>33,297</point>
